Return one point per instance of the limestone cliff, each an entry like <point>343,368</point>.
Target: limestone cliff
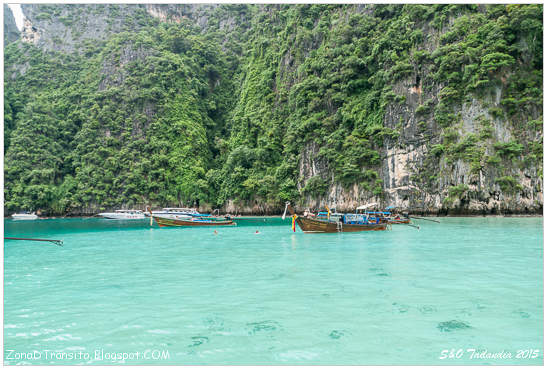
<point>433,109</point>
<point>11,33</point>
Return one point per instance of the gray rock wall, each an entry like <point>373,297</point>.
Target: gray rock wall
<point>11,33</point>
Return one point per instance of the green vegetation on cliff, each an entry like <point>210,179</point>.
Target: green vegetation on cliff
<point>177,113</point>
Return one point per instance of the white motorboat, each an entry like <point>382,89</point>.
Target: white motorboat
<point>177,213</point>
<point>24,216</point>
<point>123,214</point>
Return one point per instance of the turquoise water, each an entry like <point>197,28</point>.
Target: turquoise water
<point>277,297</point>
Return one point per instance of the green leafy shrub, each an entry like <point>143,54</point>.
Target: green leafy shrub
<point>437,149</point>
<point>458,191</point>
<point>509,150</point>
<point>508,184</point>
<point>315,186</point>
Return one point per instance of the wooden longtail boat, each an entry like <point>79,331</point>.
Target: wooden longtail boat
<point>309,225</point>
<point>191,222</point>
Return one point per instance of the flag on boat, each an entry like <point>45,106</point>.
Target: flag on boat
<point>294,223</point>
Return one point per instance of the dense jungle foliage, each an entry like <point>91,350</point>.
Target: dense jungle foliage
<point>173,113</point>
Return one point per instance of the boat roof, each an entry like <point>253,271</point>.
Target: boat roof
<point>182,209</point>
<point>128,211</point>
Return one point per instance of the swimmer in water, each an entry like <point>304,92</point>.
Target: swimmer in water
<point>215,232</point>
<point>257,232</point>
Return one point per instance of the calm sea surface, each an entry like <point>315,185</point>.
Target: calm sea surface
<point>188,296</point>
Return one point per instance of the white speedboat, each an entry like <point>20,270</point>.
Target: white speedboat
<point>24,216</point>
<point>177,213</point>
<point>123,214</point>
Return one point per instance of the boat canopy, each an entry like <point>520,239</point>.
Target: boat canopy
<point>366,206</point>
<point>178,209</point>
<point>324,213</point>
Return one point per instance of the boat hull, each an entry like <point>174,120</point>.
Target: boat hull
<point>24,216</point>
<point>170,222</point>
<point>322,226</point>
<point>121,216</point>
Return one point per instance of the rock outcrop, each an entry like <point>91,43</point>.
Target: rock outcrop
<point>11,33</point>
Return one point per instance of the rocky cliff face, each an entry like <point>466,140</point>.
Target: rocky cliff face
<point>199,13</point>
<point>419,180</point>
<point>71,27</point>
<point>11,33</point>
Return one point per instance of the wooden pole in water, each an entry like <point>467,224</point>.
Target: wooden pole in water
<point>57,242</point>
<point>151,219</point>
<point>285,212</point>
<point>289,208</point>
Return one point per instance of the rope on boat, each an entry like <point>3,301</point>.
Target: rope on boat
<point>412,225</point>
<point>430,220</point>
<point>57,242</point>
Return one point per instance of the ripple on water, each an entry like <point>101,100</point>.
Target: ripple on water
<point>427,309</point>
<point>63,337</point>
<point>523,314</point>
<point>464,312</point>
<point>400,308</point>
<point>264,326</point>
<point>214,323</point>
<point>75,348</point>
<point>337,334</point>
<point>198,340</point>
<point>297,355</point>
<point>452,325</point>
